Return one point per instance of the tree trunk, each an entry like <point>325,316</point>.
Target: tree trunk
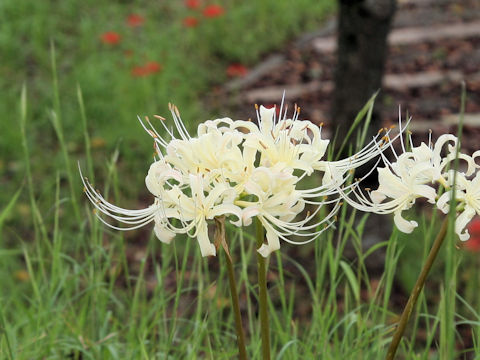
<point>363,28</point>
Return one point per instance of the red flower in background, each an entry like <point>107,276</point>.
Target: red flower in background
<point>153,67</point>
<point>110,37</point>
<point>139,71</point>
<point>473,244</point>
<point>135,20</point>
<point>190,21</point>
<point>212,11</point>
<point>192,4</point>
<point>236,70</point>
<point>149,68</point>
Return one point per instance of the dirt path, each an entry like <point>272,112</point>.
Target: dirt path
<point>434,46</point>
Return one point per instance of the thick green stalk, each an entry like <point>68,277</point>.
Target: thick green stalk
<point>412,300</point>
<point>220,239</point>
<point>263,296</point>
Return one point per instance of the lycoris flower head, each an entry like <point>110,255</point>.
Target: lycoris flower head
<point>190,21</point>
<point>212,11</point>
<point>241,170</point>
<point>135,20</point>
<point>110,38</point>
<point>149,68</point>
<point>420,173</point>
<point>153,67</point>
<point>237,70</point>
<point>192,4</point>
<point>473,244</point>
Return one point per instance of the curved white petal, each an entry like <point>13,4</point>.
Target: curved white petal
<point>425,191</point>
<point>462,220</point>
<point>206,247</point>
<point>248,213</point>
<point>163,234</point>
<point>273,242</point>
<point>402,224</point>
<point>442,202</point>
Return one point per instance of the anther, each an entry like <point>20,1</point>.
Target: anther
<point>152,134</point>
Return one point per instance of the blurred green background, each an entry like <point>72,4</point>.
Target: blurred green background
<point>186,58</point>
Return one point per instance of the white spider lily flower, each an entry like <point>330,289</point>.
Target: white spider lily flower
<point>294,143</point>
<point>240,170</point>
<point>276,203</point>
<point>190,182</point>
<point>402,192</point>
<point>432,156</point>
<point>275,196</point>
<point>467,194</point>
<point>401,183</point>
<point>211,151</point>
<point>414,174</point>
<point>194,211</point>
<point>298,144</point>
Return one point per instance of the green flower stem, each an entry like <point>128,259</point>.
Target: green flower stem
<point>262,286</point>
<point>407,311</point>
<point>220,240</point>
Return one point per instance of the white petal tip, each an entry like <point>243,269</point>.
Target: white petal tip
<point>265,250</point>
<point>208,250</point>
<point>404,225</point>
<point>163,234</point>
<point>464,237</point>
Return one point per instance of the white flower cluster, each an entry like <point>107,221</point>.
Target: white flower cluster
<point>241,170</point>
<point>426,171</point>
